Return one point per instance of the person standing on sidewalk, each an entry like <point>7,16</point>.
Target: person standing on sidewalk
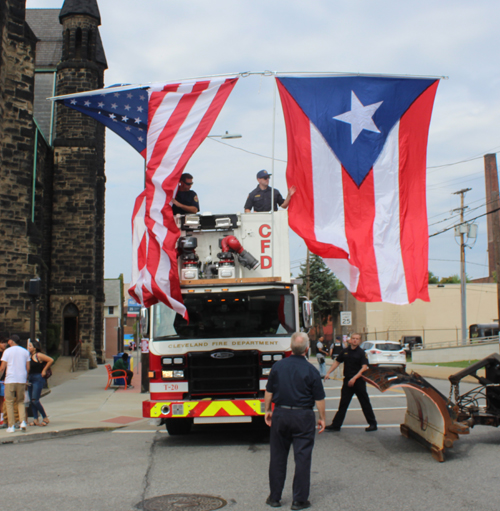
<point>321,353</point>
<point>17,362</point>
<point>355,364</point>
<point>39,364</point>
<point>294,385</point>
<point>3,347</point>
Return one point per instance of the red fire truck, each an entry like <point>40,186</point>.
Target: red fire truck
<point>243,308</point>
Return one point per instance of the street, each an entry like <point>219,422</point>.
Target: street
<point>352,469</point>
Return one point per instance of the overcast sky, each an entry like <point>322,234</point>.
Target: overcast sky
<point>162,40</point>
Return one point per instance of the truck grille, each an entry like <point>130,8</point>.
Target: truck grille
<point>239,373</point>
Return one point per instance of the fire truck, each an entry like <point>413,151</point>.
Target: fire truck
<point>243,307</point>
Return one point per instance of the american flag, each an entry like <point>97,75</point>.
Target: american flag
<point>122,109</point>
<point>166,123</point>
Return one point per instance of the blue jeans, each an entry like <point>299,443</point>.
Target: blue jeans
<point>35,390</point>
<point>322,366</point>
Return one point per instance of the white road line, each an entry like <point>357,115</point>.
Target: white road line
<point>380,426</point>
<point>374,409</point>
<point>371,397</point>
<point>138,431</point>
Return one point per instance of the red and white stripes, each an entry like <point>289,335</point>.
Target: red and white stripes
<point>373,237</point>
<point>180,117</point>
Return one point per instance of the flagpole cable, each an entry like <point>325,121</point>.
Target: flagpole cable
<point>272,174</point>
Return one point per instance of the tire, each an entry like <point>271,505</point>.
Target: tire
<point>179,426</point>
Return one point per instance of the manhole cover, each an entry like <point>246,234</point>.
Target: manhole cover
<point>183,502</point>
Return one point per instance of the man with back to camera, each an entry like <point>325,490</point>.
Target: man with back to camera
<point>16,360</point>
<point>294,385</point>
<point>260,198</point>
<point>355,364</point>
<point>186,200</point>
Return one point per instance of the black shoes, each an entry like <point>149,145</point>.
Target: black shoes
<point>372,427</point>
<point>300,505</point>
<point>331,427</point>
<point>274,503</point>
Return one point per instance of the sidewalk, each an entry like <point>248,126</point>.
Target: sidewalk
<point>79,404</point>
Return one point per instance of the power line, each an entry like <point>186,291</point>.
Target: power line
<point>461,223</point>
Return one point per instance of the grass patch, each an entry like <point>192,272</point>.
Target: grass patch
<point>458,363</point>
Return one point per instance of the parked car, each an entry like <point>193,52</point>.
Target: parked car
<point>385,354</point>
<point>411,342</point>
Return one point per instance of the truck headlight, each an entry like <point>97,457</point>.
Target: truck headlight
<point>166,361</point>
<point>266,371</point>
<point>267,358</point>
<point>172,374</point>
<point>179,360</point>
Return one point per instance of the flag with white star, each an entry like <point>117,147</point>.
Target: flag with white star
<point>122,109</point>
<point>357,156</point>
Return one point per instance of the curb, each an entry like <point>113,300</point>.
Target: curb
<point>20,438</point>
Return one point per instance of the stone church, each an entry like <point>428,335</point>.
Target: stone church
<point>52,180</point>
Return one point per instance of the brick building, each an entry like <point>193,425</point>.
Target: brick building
<point>52,179</point>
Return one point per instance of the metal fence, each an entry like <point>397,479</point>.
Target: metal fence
<point>431,337</point>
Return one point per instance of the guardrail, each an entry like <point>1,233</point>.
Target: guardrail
<point>458,343</point>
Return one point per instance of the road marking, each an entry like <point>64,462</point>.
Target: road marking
<point>371,397</point>
<point>374,409</point>
<point>380,426</point>
<point>138,431</point>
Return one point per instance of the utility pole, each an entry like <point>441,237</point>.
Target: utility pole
<point>308,285</point>
<point>463,279</point>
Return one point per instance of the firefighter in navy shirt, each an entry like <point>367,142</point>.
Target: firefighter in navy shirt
<point>186,200</point>
<point>294,386</point>
<point>260,198</point>
<point>355,364</point>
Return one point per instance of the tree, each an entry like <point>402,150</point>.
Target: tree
<point>433,279</point>
<point>323,288</point>
<point>452,279</point>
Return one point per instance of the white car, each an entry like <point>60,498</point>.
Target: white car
<point>385,354</point>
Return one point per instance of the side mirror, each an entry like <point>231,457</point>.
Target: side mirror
<point>307,313</point>
<point>144,322</point>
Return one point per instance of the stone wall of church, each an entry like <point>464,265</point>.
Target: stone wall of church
<point>17,51</point>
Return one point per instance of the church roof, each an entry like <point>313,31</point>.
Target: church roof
<point>88,7</point>
<point>46,27</point>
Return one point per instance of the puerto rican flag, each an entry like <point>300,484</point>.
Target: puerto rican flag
<point>165,123</point>
<point>357,155</point>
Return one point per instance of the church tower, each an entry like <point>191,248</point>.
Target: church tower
<point>77,253</point>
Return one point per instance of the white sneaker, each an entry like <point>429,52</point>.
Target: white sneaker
<point>11,429</point>
<point>23,426</point>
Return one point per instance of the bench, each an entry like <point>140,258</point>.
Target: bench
<point>117,373</point>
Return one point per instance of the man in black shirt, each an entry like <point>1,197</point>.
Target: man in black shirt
<point>260,198</point>
<point>294,386</point>
<point>186,200</point>
<point>355,364</point>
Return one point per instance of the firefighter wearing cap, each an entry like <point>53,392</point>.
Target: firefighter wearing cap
<point>260,198</point>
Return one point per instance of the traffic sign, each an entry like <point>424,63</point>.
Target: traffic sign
<point>346,318</point>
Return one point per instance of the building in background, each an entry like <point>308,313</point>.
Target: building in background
<point>52,179</point>
<point>113,317</point>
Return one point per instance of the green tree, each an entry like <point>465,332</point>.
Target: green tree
<point>452,279</point>
<point>323,288</point>
<point>433,279</point>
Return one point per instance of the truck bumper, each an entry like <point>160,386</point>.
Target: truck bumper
<point>205,408</point>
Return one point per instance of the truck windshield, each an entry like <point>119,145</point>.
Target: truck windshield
<point>226,315</point>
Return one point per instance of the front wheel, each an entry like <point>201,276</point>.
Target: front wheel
<point>179,426</point>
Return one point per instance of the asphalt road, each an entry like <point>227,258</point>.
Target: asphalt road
<point>352,469</point>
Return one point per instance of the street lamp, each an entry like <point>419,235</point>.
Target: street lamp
<point>226,136</point>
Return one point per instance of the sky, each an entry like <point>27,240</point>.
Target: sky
<point>163,40</point>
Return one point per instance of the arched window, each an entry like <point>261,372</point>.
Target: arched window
<point>78,43</point>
